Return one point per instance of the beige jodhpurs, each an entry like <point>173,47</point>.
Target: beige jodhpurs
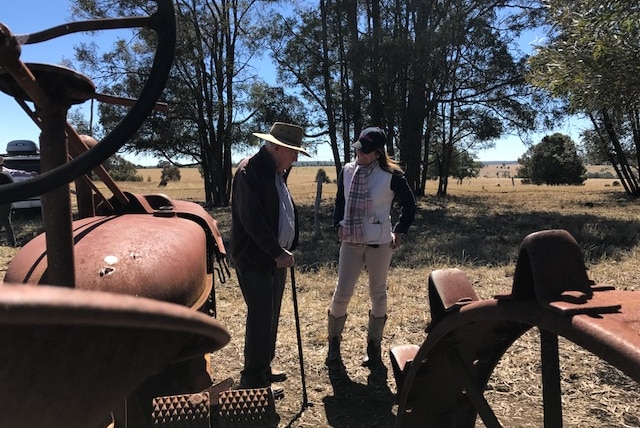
<point>353,257</point>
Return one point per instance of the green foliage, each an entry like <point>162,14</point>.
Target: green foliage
<point>169,172</point>
<point>450,78</point>
<point>601,174</point>
<point>592,54</point>
<point>430,73</point>
<point>322,177</point>
<point>76,118</point>
<point>120,169</point>
<point>272,104</point>
<point>553,161</point>
<point>591,60</point>
<point>595,150</point>
<point>207,89</point>
<point>464,166</point>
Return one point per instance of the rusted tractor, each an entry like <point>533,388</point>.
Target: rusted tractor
<point>441,382</point>
<point>105,319</point>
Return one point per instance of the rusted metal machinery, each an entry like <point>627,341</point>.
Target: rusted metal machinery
<point>441,382</point>
<point>106,316</point>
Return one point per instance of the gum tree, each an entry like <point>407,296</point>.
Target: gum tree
<point>592,60</point>
<point>205,94</point>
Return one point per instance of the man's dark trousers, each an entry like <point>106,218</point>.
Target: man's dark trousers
<point>262,292</point>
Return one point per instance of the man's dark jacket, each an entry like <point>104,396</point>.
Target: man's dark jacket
<point>255,211</point>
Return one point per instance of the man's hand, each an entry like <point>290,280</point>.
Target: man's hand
<point>285,259</point>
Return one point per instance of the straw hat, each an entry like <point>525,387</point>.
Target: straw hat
<point>286,135</point>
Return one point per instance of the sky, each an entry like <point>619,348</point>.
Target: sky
<point>27,16</point>
<point>22,17</point>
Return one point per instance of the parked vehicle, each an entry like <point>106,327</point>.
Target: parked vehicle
<point>23,156</point>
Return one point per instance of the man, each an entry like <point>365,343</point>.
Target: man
<point>264,232</point>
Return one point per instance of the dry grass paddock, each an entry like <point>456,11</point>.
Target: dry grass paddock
<point>477,228</point>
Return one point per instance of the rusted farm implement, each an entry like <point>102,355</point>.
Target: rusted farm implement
<point>106,319</point>
<point>441,382</point>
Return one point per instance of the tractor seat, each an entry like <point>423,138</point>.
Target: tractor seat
<point>69,355</point>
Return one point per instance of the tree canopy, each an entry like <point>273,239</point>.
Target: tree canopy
<point>553,161</point>
<point>443,78</point>
<point>206,93</point>
<point>591,59</point>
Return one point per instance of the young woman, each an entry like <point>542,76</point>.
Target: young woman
<point>367,188</point>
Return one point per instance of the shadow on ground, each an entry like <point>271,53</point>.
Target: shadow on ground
<point>356,405</point>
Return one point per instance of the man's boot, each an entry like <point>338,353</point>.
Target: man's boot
<point>374,340</point>
<point>336,325</point>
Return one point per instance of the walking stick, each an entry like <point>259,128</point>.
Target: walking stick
<point>305,402</point>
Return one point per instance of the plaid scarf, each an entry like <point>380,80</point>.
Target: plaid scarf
<point>357,203</point>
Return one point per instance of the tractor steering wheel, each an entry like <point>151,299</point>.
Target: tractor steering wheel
<point>164,24</point>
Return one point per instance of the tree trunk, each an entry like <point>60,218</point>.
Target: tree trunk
<point>411,136</point>
<point>624,171</point>
<point>316,211</point>
<point>328,95</point>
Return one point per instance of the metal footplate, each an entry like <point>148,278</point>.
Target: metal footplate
<point>254,408</point>
<point>182,411</point>
<point>217,407</point>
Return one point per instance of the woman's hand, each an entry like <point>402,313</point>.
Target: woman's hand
<point>396,240</point>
